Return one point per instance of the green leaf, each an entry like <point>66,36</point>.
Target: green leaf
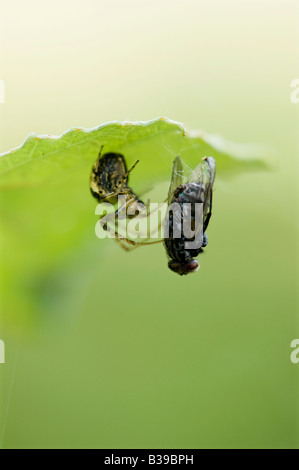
<point>156,143</point>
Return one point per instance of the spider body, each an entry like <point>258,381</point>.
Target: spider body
<point>109,178</point>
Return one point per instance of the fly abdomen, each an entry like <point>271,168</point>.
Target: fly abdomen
<point>182,213</point>
<point>187,201</point>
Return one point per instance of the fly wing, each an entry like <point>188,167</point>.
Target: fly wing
<point>176,177</point>
<point>209,196</point>
<point>204,174</point>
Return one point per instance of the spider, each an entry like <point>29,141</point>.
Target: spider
<point>108,183</point>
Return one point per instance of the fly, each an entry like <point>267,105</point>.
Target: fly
<point>197,189</point>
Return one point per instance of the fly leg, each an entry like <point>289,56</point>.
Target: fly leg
<point>205,237</point>
<point>205,240</point>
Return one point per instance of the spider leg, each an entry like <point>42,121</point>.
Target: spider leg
<point>124,242</point>
<point>129,245</point>
<point>121,240</point>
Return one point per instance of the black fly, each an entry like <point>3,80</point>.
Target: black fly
<point>197,189</point>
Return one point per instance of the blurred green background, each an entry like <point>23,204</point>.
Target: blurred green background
<point>111,350</point>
